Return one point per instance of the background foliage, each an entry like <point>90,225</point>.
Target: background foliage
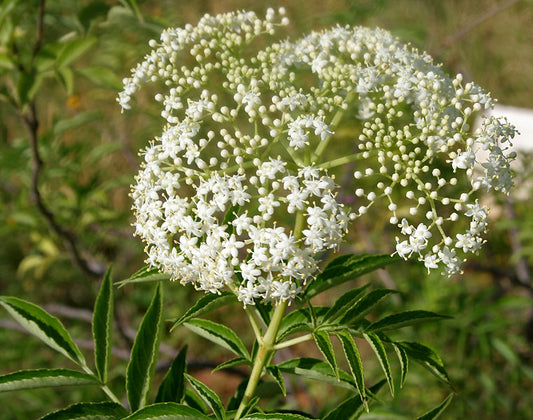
<point>64,213</point>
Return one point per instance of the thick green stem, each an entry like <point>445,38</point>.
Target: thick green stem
<point>266,348</point>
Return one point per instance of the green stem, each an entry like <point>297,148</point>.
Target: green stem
<point>340,161</point>
<point>103,386</point>
<point>266,349</point>
<point>294,341</point>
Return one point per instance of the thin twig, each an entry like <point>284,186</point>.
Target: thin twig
<point>31,121</point>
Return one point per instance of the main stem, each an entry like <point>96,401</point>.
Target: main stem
<point>266,348</point>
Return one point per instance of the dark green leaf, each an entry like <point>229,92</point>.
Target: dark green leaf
<point>103,327</point>
<point>345,268</point>
<point>167,411</point>
<point>102,76</point>
<point>89,411</point>
<point>323,343</point>
<point>343,303</point>
<point>219,334</point>
<point>26,87</point>
<point>172,389</point>
<point>44,326</point>
<point>404,363</point>
<point>364,305</point>
<point>141,367</point>
<point>205,304</point>
<point>265,311</point>
<point>74,49</point>
<point>437,411</point>
<point>354,361</point>
<point>237,361</point>
<point>352,407</point>
<point>278,377</point>
<point>92,11</point>
<point>236,399</point>
<point>44,378</point>
<point>317,370</point>
<point>299,321</point>
<point>381,354</point>
<point>425,357</point>
<point>145,274</point>
<point>209,397</point>
<point>193,400</point>
<point>404,319</point>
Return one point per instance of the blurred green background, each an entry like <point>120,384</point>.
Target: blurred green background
<point>54,247</point>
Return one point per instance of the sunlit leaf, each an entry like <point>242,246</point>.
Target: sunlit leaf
<point>404,363</point>
<point>205,304</point>
<point>317,370</point>
<point>237,361</point>
<point>89,411</point>
<point>219,334</point>
<point>44,326</point>
<point>356,365</point>
<point>145,274</point>
<point>103,326</point>
<point>381,354</point>
<point>74,49</point>
<point>343,303</point>
<point>345,268</point>
<point>167,411</point>
<point>44,378</point>
<point>209,397</point>
<point>404,319</point>
<point>323,343</point>
<point>102,76</point>
<point>144,352</point>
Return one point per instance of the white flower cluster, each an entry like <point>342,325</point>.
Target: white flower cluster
<point>237,191</point>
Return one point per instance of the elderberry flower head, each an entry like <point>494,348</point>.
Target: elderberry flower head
<point>239,192</point>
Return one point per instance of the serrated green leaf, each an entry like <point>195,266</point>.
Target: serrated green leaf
<point>352,407</point>
<point>437,411</point>
<point>345,268</point>
<point>404,363</point>
<point>89,411</point>
<point>219,334</point>
<point>74,49</point>
<point>172,388</point>
<point>381,354</point>
<point>145,274</point>
<point>209,397</point>
<point>426,357</point>
<point>44,326</point>
<point>275,372</point>
<point>404,319</point>
<point>299,321</point>
<point>364,305</point>
<point>103,327</point>
<point>317,370</point>
<point>44,378</point>
<point>276,416</point>
<point>323,343</point>
<point>102,76</point>
<point>344,303</point>
<point>237,361</point>
<point>167,411</point>
<point>205,304</point>
<point>356,365</point>
<point>141,367</point>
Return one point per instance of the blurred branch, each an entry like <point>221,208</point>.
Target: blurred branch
<point>448,42</point>
<point>31,121</point>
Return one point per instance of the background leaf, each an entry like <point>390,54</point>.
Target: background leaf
<point>144,352</point>
<point>437,411</point>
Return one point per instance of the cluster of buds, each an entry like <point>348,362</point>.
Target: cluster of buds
<point>239,190</point>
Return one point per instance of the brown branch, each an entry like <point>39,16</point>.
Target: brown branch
<point>448,42</point>
<point>31,121</point>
